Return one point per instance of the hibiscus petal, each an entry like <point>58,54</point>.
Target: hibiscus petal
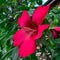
<point>27,48</point>
<point>41,29</point>
<point>54,33</point>
<point>39,14</point>
<point>24,20</point>
<point>19,37</point>
<point>57,28</point>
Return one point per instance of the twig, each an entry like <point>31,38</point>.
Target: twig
<point>51,2</point>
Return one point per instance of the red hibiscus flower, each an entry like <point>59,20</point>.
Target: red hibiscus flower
<point>31,30</point>
<point>56,32</point>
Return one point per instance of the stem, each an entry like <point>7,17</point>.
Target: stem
<point>51,2</point>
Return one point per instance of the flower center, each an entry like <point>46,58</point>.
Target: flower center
<point>29,31</point>
<point>32,26</point>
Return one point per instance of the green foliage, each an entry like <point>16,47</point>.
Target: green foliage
<point>10,10</point>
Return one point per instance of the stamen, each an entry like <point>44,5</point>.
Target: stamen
<point>29,31</point>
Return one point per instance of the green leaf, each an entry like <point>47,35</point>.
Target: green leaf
<point>15,54</point>
<point>57,41</point>
<point>58,57</point>
<point>5,55</point>
<point>31,57</point>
